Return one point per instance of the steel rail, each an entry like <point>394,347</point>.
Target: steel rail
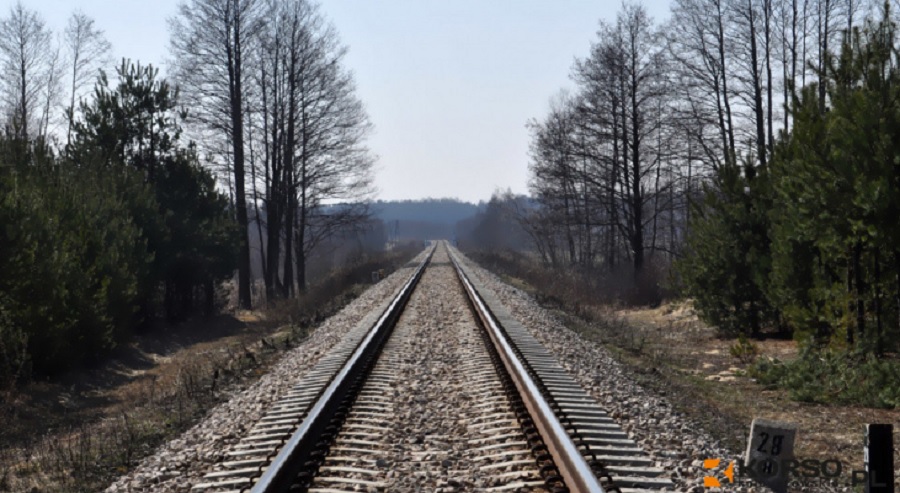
<point>574,469</point>
<point>281,473</point>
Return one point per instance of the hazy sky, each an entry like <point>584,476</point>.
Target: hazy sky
<point>448,84</point>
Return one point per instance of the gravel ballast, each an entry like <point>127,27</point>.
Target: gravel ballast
<point>676,442</point>
<point>179,464</point>
<point>444,421</point>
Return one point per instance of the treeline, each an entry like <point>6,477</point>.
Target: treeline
<point>120,226</point>
<point>423,219</point>
<point>657,109</point>
<point>747,143</point>
<point>444,211</point>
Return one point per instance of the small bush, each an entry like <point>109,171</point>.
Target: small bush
<point>744,350</point>
<point>833,377</point>
<point>768,371</point>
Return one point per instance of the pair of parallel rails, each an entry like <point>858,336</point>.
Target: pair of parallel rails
<point>575,444</point>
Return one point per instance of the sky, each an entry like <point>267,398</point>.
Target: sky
<point>449,85</point>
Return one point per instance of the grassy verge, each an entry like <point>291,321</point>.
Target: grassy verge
<point>79,432</point>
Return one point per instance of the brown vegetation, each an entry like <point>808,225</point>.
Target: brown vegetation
<point>79,431</point>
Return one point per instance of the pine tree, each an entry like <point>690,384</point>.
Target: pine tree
<point>835,233</point>
<point>727,259</point>
<point>190,231</point>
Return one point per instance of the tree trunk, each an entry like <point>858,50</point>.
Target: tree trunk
<point>287,288</point>
<point>237,133</point>
<point>275,195</point>
<point>656,181</point>
<point>805,17</point>
<point>637,237</point>
<point>303,215</point>
<point>258,218</point>
<point>849,284</point>
<point>587,256</point>
<point>613,183</point>
<point>730,154</point>
<point>785,77</point>
<point>626,163</point>
<point>879,343</point>
<point>209,301</point>
<point>754,319</point>
<point>71,114</point>
<point>756,80</point>
<point>267,179</point>
<point>793,79</point>
<point>301,260</point>
<point>768,54</point>
<point>860,290</point>
<point>673,244</point>
<point>823,49</point>
<point>23,103</point>
<point>570,240</point>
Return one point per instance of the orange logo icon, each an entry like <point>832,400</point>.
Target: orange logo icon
<point>712,481</point>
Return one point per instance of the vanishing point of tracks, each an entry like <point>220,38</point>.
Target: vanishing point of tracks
<point>440,390</point>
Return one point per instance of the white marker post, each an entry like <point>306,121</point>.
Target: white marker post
<point>770,449</point>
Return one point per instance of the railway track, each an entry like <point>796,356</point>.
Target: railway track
<point>439,390</point>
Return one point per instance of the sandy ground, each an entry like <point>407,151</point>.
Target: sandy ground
<point>688,353</point>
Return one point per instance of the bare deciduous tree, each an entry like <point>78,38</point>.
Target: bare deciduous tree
<point>28,62</point>
<point>696,38</point>
<point>617,164</point>
<point>211,40</point>
<point>87,52</point>
<point>266,75</point>
<point>319,132</point>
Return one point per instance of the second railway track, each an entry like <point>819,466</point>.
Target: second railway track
<point>440,391</point>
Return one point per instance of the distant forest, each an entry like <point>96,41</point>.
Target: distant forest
<point>423,219</point>
<point>443,211</point>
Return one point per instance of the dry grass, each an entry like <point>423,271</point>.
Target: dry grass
<point>100,433</point>
<point>78,432</point>
<point>693,356</point>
